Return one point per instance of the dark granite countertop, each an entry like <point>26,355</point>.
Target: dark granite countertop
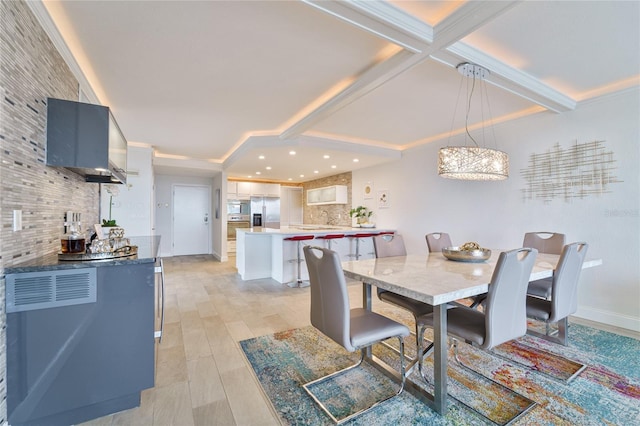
<point>147,252</point>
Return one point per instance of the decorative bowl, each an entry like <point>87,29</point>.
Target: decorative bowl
<point>367,225</point>
<point>454,253</point>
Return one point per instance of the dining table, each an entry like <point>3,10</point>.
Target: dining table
<point>438,281</point>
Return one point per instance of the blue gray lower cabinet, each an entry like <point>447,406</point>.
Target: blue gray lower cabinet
<point>70,364</point>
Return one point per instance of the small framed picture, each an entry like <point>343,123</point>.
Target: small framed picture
<point>383,199</point>
<point>367,191</point>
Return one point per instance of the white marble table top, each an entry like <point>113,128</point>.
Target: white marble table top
<point>435,280</point>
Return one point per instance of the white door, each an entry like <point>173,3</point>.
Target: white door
<point>191,220</point>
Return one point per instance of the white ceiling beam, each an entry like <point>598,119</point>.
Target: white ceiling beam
<point>466,19</point>
<point>508,78</point>
<point>368,81</point>
<point>419,40</point>
<point>382,19</point>
<point>385,20</point>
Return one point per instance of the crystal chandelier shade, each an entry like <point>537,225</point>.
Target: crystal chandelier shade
<point>472,162</point>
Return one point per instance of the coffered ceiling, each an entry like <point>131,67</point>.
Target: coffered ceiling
<point>214,85</point>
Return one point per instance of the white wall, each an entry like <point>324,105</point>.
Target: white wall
<point>164,207</point>
<point>495,214</point>
<point>132,206</point>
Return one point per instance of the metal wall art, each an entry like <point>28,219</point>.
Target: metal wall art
<point>577,172</point>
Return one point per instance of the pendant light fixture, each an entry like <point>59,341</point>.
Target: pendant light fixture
<point>472,162</point>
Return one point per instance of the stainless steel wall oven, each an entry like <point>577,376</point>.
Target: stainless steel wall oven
<point>235,221</point>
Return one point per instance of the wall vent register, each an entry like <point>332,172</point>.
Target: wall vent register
<point>50,289</point>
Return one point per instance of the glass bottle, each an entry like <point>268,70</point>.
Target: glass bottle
<point>73,241</point>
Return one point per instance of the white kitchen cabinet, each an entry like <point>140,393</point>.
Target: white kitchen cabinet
<point>244,190</point>
<point>232,190</point>
<point>238,190</point>
<point>336,194</point>
<point>265,189</point>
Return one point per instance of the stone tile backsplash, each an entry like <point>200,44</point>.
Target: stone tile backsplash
<point>32,70</point>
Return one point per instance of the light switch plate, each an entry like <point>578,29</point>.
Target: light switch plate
<point>17,220</point>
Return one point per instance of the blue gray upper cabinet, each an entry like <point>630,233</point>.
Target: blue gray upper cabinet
<point>86,139</point>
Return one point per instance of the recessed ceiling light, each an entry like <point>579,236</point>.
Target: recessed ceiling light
<point>268,167</point>
<point>316,172</point>
<point>333,166</point>
<point>249,176</point>
<point>301,175</point>
<point>289,179</point>
<point>258,173</point>
<point>261,157</point>
<point>326,156</point>
<point>355,160</point>
<point>292,153</point>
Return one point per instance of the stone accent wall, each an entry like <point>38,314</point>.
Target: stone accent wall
<point>336,214</point>
<point>32,70</point>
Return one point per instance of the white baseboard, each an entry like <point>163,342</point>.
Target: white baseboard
<point>608,317</point>
<point>220,258</point>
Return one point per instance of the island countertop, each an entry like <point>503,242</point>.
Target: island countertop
<point>286,231</point>
<point>266,253</point>
<point>147,252</point>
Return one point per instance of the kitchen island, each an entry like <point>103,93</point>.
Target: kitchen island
<point>264,253</point>
<point>80,336</point>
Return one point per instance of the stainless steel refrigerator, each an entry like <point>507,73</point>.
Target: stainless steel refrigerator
<point>269,208</point>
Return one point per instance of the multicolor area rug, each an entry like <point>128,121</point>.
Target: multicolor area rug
<point>606,392</point>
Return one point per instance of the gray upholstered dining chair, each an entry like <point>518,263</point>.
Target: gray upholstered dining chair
<point>353,329</point>
<point>544,242</point>
<point>436,241</point>
<point>564,294</point>
<point>389,246</point>
<point>504,317</point>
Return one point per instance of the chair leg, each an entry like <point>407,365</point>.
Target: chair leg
<point>422,354</point>
<point>562,332</point>
<point>402,368</point>
<point>306,386</point>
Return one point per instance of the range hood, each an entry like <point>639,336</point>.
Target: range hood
<point>86,139</point>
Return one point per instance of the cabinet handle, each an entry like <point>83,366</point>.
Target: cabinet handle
<point>160,269</point>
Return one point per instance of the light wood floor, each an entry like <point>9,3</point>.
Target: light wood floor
<point>202,377</point>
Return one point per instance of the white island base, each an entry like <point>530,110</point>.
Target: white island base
<point>263,253</point>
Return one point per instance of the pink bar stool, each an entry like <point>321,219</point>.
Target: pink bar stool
<point>299,283</point>
<point>358,237</point>
<point>329,238</point>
